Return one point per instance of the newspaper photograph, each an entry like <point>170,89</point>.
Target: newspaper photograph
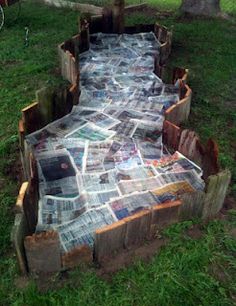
<point>128,205</point>
<point>149,151</point>
<point>55,166</point>
<point>139,185</point>
<point>105,181</point>
<point>96,199</point>
<point>67,187</point>
<point>91,132</point>
<point>176,163</point>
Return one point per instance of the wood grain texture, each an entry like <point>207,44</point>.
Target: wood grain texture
<point>43,252</point>
<point>179,112</point>
<point>137,228</point>
<point>30,117</point>
<point>109,240</point>
<point>216,189</point>
<point>192,205</point>
<point>18,233</point>
<point>171,135</point>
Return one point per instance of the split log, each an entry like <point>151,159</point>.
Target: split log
<point>81,7</point>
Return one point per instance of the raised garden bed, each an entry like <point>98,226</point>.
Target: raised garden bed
<point>41,252</point>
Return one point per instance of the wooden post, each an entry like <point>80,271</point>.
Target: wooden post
<point>44,97</point>
<point>216,189</point>
<point>118,19</point>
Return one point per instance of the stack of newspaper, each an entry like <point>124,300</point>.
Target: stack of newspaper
<point>106,160</point>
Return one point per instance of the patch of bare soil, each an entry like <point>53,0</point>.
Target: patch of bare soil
<point>130,256</point>
<point>195,232</point>
<point>22,282</point>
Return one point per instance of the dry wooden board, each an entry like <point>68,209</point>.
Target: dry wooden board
<point>192,205</point>
<point>30,117</point>
<point>118,20</point>
<point>18,233</point>
<point>216,189</point>
<point>171,135</point>
<point>43,252</point>
<point>164,215</point>
<point>179,112</point>
<point>137,228</point>
<point>190,146</point>
<point>109,239</point>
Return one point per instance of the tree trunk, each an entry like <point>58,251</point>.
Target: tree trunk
<point>201,7</point>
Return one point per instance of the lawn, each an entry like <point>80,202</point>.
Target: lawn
<point>188,271</point>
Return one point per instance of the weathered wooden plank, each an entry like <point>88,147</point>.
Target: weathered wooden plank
<point>43,252</point>
<point>21,197</point>
<point>44,97</point>
<point>73,95</point>
<point>192,205</point>
<point>109,239</point>
<point>171,135</point>
<point>84,37</point>
<point>81,255</point>
<point>21,135</point>
<point>180,73</point>
<point>137,228</point>
<point>30,117</point>
<point>179,112</point>
<point>210,164</point>
<point>164,215</point>
<point>216,188</point>
<point>191,147</point>
<point>96,23</point>
<point>118,21</point>
<point>18,233</point>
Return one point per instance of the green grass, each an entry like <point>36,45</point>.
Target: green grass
<point>182,273</point>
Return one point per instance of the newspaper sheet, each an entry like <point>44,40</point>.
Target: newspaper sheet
<point>56,210</point>
<point>128,205</point>
<point>81,230</point>
<point>91,132</point>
